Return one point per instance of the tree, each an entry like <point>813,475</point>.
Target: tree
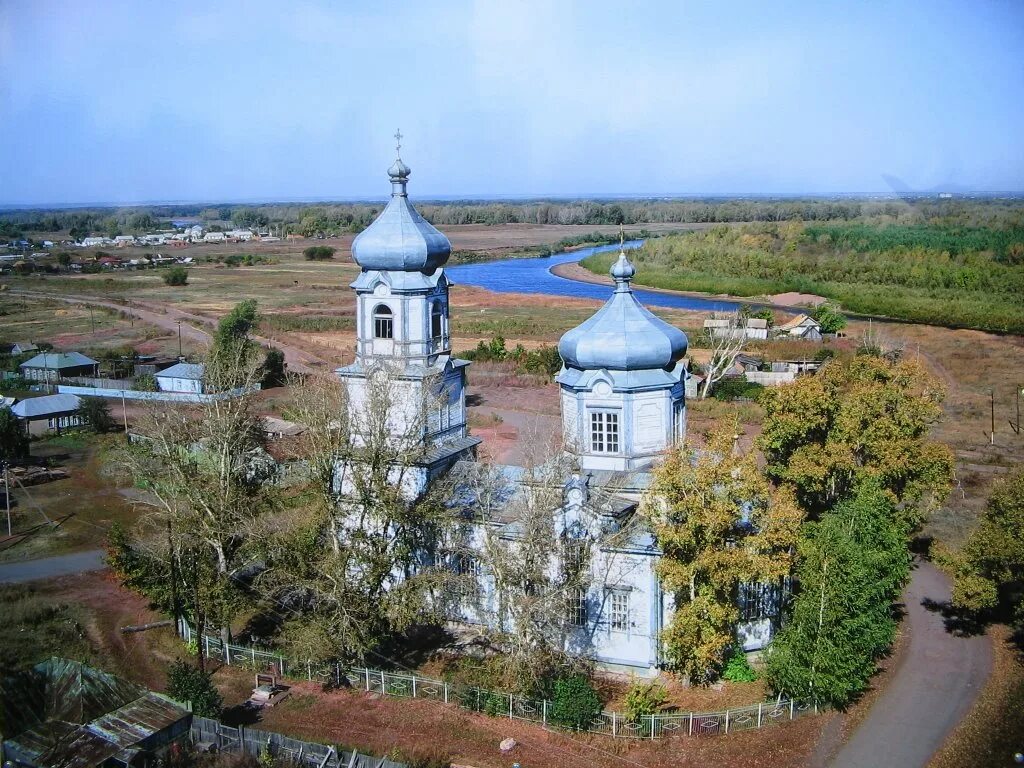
<point>233,354</point>
<point>176,276</point>
<point>319,253</point>
<point>726,345</point>
<point>989,572</point>
<point>720,524</point>
<point>13,439</point>
<point>853,564</point>
<point>575,703</point>
<point>190,684</point>
<point>64,259</point>
<point>95,412</point>
<point>866,418</point>
<point>273,369</point>
<point>829,317</point>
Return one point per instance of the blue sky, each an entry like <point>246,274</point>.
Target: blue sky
<point>157,101</point>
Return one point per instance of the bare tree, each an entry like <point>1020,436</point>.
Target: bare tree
<point>727,342</point>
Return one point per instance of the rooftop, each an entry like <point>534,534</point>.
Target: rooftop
<point>193,371</point>
<point>43,407</point>
<point>58,360</point>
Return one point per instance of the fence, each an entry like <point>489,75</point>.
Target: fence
<point>407,685</point>
<point>169,397</point>
<point>251,741</point>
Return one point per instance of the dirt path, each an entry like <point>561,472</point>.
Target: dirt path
<point>193,327</point>
<point>50,567</point>
<point>931,690</point>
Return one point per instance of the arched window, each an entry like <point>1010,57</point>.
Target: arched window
<point>436,322</point>
<point>383,322</point>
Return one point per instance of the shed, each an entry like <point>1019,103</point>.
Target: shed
<point>65,714</point>
<point>183,377</point>
<point>58,411</point>
<point>52,366</point>
<point>21,347</point>
<point>802,327</point>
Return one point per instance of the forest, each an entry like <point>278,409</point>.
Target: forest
<point>933,272</point>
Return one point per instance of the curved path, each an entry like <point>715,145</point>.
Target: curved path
<point>166,317</point>
<point>933,686</point>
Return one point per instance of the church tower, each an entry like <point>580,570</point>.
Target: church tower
<point>402,323</point>
<point>622,382</point>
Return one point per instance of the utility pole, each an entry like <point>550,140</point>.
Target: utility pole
<point>7,495</point>
<point>176,607</point>
<point>124,412</point>
<point>92,320</point>
<point>1017,393</point>
<point>179,339</point>
<point>992,404</point>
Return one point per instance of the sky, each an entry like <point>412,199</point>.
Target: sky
<point>111,102</point>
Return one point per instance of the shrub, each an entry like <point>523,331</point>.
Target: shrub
<point>319,253</point>
<point>176,276</point>
<point>273,369</point>
<point>96,413</point>
<point>575,703</point>
<point>13,440</point>
<point>644,700</point>
<point>738,669</point>
<point>187,683</point>
<point>734,387</point>
<point>146,383</point>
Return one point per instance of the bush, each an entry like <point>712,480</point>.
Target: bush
<point>273,369</point>
<point>575,704</point>
<point>176,276</point>
<point>644,700</point>
<point>13,440</point>
<point>738,669</point>
<point>96,413</point>
<point>735,387</point>
<point>319,253</point>
<point>146,383</point>
<point>187,683</point>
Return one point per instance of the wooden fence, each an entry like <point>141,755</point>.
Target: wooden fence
<point>497,704</point>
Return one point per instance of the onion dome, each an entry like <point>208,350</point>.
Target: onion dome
<point>400,240</point>
<point>623,335</point>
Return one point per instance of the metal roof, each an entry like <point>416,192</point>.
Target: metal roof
<point>622,335</point>
<point>48,405</point>
<point>193,371</point>
<point>57,360</point>
<point>400,239</point>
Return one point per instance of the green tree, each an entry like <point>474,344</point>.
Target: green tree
<point>829,317</point>
<point>575,703</point>
<point>96,413</point>
<point>853,564</point>
<point>233,352</point>
<point>719,523</point>
<point>176,276</point>
<point>64,259</point>
<point>188,683</point>
<point>989,573</point>
<point>146,382</point>
<point>319,253</point>
<point>867,418</point>
<point>273,369</point>
<point>13,440</point>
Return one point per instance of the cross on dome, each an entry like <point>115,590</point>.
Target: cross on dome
<point>398,142</point>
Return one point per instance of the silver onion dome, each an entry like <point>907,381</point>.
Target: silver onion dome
<point>623,335</point>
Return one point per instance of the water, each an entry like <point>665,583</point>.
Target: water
<point>535,276</point>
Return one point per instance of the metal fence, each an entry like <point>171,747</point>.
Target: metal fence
<point>496,704</point>
<point>252,741</point>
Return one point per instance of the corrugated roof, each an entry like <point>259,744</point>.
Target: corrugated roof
<point>57,360</point>
<point>48,405</point>
<point>193,371</point>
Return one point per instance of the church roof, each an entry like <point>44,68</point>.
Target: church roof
<point>400,239</point>
<point>623,335</point>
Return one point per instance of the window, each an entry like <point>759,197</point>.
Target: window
<point>758,600</point>
<point>576,607</point>
<point>618,604</point>
<point>575,555</point>
<point>604,432</point>
<point>467,565</point>
<point>383,322</point>
<point>436,323</point>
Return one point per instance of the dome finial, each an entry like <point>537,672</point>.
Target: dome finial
<point>399,172</point>
<point>622,270</point>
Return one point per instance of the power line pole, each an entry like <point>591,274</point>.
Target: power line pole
<point>179,339</point>
<point>1017,392</point>
<point>176,607</point>
<point>7,494</point>
<point>992,404</point>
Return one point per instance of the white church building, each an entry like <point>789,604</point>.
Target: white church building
<point>623,405</point>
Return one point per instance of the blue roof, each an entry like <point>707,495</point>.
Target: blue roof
<point>400,239</point>
<point>49,405</point>
<point>58,360</point>
<point>623,335</point>
<point>192,371</point>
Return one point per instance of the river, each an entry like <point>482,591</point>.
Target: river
<point>535,276</point>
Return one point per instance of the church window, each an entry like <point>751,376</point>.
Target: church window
<point>758,600</point>
<point>618,604</point>
<point>604,432</point>
<point>436,322</point>
<point>383,322</point>
<point>576,607</point>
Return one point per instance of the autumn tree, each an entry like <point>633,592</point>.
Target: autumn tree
<point>726,342</point>
<point>720,523</point>
<point>866,418</point>
<point>989,571</point>
<point>853,564</point>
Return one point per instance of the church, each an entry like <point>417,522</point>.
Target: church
<point>622,390</point>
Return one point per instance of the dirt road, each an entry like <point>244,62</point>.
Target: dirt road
<point>934,686</point>
<point>193,327</point>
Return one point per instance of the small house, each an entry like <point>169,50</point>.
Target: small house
<point>183,377</point>
<point>214,237</point>
<point>57,411</point>
<point>53,366</point>
<point>21,347</point>
<point>801,327</point>
<point>122,240</point>
<point>732,328</point>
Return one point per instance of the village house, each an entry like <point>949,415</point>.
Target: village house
<point>53,366</point>
<point>182,377</point>
<point>21,347</point>
<point>214,237</point>
<point>801,327</point>
<point>748,328</point>
<point>50,413</point>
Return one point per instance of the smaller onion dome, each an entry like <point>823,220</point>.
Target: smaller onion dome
<point>623,335</point>
<point>400,240</point>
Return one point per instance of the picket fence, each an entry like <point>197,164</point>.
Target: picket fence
<point>252,741</point>
<point>496,704</point>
